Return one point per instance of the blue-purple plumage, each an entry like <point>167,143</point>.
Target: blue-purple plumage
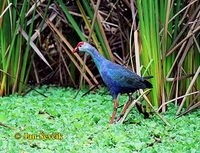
<point>116,77</point>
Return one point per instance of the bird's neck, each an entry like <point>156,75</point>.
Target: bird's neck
<point>98,59</point>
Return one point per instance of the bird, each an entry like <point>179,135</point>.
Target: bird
<point>117,78</point>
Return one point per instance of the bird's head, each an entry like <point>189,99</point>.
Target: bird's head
<point>82,47</point>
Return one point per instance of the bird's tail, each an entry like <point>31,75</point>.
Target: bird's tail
<point>147,83</point>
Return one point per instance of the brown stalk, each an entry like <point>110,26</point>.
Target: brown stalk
<point>127,3</point>
<point>33,7</point>
<point>183,17</point>
<point>133,27</point>
<point>34,47</point>
<point>1,124</point>
<point>193,101</point>
<point>197,44</point>
<point>2,12</point>
<point>192,17</point>
<point>189,94</point>
<point>137,52</point>
<point>37,31</point>
<point>188,90</point>
<point>51,25</point>
<point>175,60</point>
<point>76,64</point>
<point>65,64</point>
<point>180,78</point>
<point>183,40</point>
<point>164,53</point>
<point>190,41</point>
<point>68,71</point>
<point>190,33</point>
<point>186,48</point>
<point>113,7</point>
<point>133,103</point>
<point>190,109</point>
<point>103,34</point>
<point>121,39</point>
<point>94,19</point>
<point>165,121</point>
<point>177,87</point>
<point>36,73</point>
<point>118,59</point>
<point>17,74</point>
<point>90,34</point>
<point>187,6</point>
<point>61,73</point>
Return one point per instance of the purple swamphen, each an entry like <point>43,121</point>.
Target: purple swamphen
<point>117,78</point>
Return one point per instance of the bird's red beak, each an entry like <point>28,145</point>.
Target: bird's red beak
<point>77,47</point>
<point>75,50</point>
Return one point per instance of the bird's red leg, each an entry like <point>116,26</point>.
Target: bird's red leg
<point>125,108</point>
<point>115,111</point>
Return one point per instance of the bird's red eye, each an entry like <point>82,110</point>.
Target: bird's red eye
<point>77,47</point>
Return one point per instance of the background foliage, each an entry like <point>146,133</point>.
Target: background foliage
<point>159,38</point>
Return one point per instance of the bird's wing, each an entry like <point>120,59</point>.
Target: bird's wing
<point>123,77</point>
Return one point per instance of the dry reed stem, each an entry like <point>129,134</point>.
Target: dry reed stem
<point>189,94</point>
<point>188,90</point>
<point>90,34</point>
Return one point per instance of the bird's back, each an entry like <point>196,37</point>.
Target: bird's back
<point>121,80</point>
